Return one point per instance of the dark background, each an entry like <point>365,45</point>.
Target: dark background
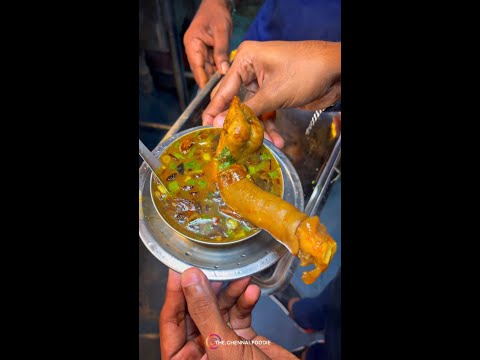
<point>70,255</point>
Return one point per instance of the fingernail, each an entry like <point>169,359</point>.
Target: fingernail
<point>219,120</point>
<point>225,67</point>
<point>190,278</point>
<point>279,144</point>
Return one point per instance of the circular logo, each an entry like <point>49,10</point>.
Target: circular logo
<point>213,341</point>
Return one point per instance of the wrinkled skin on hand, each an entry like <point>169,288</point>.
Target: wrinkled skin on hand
<point>304,236</point>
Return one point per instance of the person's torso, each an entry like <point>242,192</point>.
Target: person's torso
<point>295,20</point>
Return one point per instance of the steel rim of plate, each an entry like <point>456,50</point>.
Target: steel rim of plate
<point>188,131</point>
<point>221,263</point>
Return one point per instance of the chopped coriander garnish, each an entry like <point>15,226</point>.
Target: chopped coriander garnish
<point>190,165</point>
<point>273,174</point>
<point>190,152</point>
<point>265,156</point>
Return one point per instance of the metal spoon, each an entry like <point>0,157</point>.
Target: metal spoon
<point>152,162</point>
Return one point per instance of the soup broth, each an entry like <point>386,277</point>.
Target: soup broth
<point>196,208</point>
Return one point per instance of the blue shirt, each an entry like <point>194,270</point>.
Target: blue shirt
<point>297,20</point>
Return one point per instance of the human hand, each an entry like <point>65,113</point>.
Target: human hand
<point>194,309</point>
<point>278,75</point>
<point>207,38</point>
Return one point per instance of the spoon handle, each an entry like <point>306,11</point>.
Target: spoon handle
<point>146,155</point>
<point>151,161</point>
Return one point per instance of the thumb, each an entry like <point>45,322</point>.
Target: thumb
<point>203,307</point>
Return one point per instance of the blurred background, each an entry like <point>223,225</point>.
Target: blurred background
<point>166,87</point>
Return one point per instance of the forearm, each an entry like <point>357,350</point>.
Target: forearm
<point>331,59</point>
<point>320,75</point>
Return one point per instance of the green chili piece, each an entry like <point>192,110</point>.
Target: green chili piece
<point>173,186</point>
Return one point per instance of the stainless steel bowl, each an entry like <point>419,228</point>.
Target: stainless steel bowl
<point>228,262</point>
<point>165,146</point>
